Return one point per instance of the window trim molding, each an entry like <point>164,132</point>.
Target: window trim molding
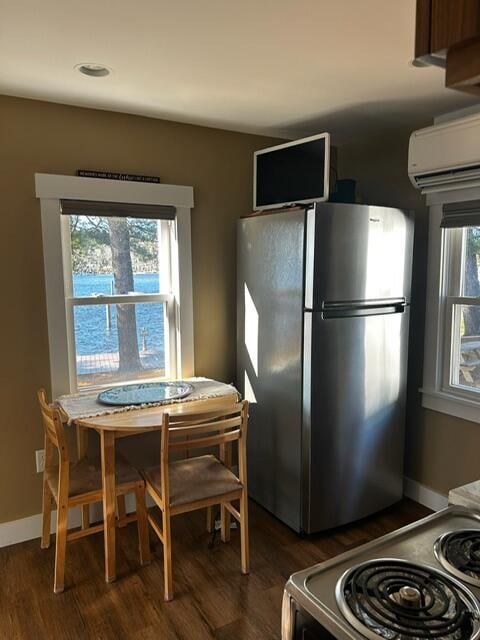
<point>50,189</point>
<point>54,186</point>
<point>435,395</point>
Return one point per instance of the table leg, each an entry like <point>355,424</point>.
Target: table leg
<point>107,444</point>
<point>82,447</point>
<point>82,442</point>
<point>210,519</point>
<point>225,517</point>
<point>121,510</point>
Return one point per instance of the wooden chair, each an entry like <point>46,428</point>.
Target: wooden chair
<point>198,482</point>
<point>78,484</point>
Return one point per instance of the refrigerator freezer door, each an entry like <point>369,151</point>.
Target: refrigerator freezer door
<point>354,414</point>
<point>270,253</point>
<point>357,252</point>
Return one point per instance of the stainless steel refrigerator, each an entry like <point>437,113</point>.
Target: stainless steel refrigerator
<point>322,331</point>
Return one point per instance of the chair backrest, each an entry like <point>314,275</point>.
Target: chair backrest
<point>202,429</point>
<point>53,426</point>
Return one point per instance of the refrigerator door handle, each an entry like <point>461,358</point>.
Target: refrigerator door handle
<point>363,308</point>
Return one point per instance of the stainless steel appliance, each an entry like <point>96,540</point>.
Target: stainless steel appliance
<point>421,581</point>
<point>322,329</point>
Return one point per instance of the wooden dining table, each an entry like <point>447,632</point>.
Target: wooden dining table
<point>112,426</point>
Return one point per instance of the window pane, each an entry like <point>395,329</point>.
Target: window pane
<point>91,284</point>
<point>116,343</point>
<point>115,255</point>
<point>466,346</point>
<point>471,262</point>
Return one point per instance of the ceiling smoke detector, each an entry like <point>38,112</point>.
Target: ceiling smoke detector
<point>93,69</point>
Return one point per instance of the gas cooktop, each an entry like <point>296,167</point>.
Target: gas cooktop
<point>421,581</point>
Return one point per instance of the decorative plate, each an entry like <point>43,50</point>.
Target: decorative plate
<point>145,393</point>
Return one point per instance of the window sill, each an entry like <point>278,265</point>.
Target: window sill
<point>451,404</point>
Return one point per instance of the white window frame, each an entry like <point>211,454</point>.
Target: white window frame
<point>444,275</point>
<point>50,189</point>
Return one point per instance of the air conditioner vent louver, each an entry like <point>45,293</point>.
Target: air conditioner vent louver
<point>448,178</point>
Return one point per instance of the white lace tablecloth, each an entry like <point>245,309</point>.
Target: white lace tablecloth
<point>86,405</point>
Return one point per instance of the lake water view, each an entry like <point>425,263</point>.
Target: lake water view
<point>97,340</point>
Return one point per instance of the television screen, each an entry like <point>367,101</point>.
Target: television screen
<point>295,172</point>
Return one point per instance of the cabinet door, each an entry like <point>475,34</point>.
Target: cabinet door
<point>423,28</point>
<point>453,22</point>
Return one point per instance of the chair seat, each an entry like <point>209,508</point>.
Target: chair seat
<point>86,476</point>
<point>195,479</point>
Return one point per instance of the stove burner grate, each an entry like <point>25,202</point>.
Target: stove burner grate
<point>459,553</point>
<point>395,599</point>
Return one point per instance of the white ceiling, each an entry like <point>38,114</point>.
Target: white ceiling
<point>279,67</point>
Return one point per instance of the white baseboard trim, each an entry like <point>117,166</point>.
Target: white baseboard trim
<point>30,528</point>
<point>424,495</point>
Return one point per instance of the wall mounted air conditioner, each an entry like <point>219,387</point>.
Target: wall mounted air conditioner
<point>446,156</point>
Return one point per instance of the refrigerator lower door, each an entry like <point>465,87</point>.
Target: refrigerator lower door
<point>353,416</point>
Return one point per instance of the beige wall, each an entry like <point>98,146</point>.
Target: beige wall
<point>44,137</point>
<point>441,451</point>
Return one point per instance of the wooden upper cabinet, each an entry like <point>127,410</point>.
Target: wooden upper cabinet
<point>441,24</point>
<point>453,22</point>
<point>447,34</point>
<point>423,28</point>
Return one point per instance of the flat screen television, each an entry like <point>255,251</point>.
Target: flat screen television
<point>292,173</point>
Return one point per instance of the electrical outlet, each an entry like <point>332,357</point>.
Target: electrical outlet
<point>40,460</point>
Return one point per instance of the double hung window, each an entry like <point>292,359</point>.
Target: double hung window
<point>118,281</point>
<point>452,337</point>
<point>118,293</point>
<point>461,300</point>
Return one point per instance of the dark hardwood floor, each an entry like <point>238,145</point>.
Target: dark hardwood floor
<point>212,598</point>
